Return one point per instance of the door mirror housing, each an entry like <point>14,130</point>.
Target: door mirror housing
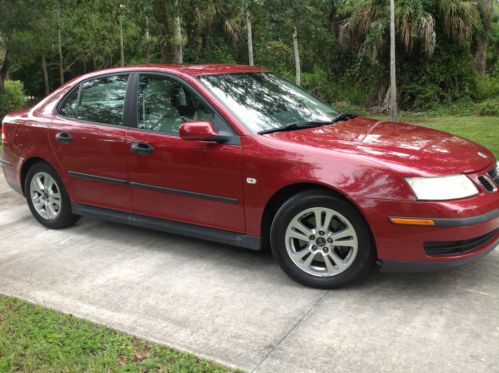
<point>199,130</point>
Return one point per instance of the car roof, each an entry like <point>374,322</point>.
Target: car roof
<point>204,69</point>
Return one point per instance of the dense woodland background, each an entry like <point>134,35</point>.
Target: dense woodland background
<point>447,50</point>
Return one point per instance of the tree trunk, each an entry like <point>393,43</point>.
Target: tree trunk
<point>122,48</point>
<point>483,39</point>
<point>250,37</point>
<point>179,57</point>
<point>147,50</point>
<point>297,57</point>
<point>393,77</point>
<point>59,44</point>
<point>4,70</point>
<point>45,76</point>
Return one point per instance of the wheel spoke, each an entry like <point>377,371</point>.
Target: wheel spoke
<point>343,234</point>
<point>351,242</point>
<point>329,264</point>
<point>309,259</point>
<point>302,253</point>
<point>337,260</point>
<point>50,209</point>
<point>298,230</point>
<point>56,203</point>
<point>327,220</point>
<point>39,184</point>
<point>49,183</point>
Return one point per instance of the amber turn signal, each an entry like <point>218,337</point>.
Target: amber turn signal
<point>412,221</point>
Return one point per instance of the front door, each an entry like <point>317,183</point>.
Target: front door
<point>193,182</point>
<point>88,137</point>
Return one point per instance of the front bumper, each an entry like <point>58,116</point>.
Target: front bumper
<point>399,266</point>
<point>460,223</point>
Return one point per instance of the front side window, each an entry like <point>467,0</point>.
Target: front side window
<point>164,104</point>
<point>264,101</point>
<point>102,100</point>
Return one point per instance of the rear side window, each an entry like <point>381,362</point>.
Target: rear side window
<point>102,100</point>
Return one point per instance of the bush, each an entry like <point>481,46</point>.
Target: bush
<point>319,84</point>
<point>488,107</point>
<point>488,86</point>
<point>12,98</point>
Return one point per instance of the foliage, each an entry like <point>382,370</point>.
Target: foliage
<point>488,107</point>
<point>13,97</point>
<point>33,338</point>
<point>343,43</point>
<point>429,82</point>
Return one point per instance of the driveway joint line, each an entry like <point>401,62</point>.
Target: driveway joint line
<point>305,315</point>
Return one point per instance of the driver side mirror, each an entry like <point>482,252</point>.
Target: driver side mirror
<point>199,130</point>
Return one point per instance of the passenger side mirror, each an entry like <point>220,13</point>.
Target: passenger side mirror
<point>199,130</point>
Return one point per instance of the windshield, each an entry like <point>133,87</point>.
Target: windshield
<point>264,101</point>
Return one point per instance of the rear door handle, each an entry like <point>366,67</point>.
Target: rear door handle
<point>142,148</point>
<point>63,137</point>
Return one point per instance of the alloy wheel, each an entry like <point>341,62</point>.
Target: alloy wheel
<point>321,242</point>
<point>45,195</point>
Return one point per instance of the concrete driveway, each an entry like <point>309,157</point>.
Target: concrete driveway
<point>238,308</point>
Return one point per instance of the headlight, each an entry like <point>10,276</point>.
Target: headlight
<point>442,188</point>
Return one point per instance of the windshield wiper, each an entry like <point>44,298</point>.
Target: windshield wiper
<point>342,116</point>
<point>296,126</point>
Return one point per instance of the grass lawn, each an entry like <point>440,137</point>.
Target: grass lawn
<point>36,339</point>
<point>483,130</point>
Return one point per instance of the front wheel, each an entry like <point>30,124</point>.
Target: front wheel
<point>321,240</point>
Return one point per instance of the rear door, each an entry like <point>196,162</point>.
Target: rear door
<point>88,136</point>
<point>195,182</point>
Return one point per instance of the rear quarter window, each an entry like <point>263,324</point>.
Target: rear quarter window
<point>69,107</point>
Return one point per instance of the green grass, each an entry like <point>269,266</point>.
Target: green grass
<point>483,130</point>
<point>36,339</point>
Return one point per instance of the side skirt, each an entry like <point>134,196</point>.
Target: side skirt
<point>183,229</point>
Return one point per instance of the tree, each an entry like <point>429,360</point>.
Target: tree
<point>249,34</point>
<point>59,43</point>
<point>486,7</point>
<point>364,29</point>
<point>393,79</point>
<point>178,40</point>
<point>15,25</point>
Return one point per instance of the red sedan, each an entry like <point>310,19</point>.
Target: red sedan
<point>240,156</point>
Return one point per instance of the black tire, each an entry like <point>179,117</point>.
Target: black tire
<point>65,218</point>
<point>359,266</point>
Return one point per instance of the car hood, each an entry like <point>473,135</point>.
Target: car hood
<point>411,150</point>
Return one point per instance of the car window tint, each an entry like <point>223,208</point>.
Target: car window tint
<point>102,100</point>
<point>164,104</point>
<point>70,105</point>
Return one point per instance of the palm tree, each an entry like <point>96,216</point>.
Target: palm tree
<point>365,27</point>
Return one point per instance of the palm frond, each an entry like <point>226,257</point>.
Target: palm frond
<point>427,33</point>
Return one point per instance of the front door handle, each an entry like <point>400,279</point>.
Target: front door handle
<point>63,137</point>
<point>142,148</point>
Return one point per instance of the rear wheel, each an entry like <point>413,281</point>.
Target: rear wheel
<point>47,198</point>
<point>321,240</point>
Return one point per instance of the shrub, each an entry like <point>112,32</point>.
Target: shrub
<point>319,84</point>
<point>488,107</point>
<point>12,98</point>
<point>487,86</point>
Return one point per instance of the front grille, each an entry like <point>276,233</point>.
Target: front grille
<point>487,183</point>
<point>439,248</point>
<point>494,174</point>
